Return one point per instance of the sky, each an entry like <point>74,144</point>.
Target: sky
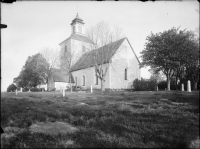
<point>34,25</point>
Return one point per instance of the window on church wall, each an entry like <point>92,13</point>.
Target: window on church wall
<point>83,80</point>
<point>125,74</point>
<point>76,80</point>
<point>96,79</point>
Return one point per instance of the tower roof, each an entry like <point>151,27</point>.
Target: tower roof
<point>79,37</point>
<point>77,19</point>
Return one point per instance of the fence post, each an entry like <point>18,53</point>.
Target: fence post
<point>91,89</point>
<point>16,91</point>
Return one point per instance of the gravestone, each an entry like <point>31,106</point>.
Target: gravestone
<point>182,87</point>
<point>188,86</point>
<point>91,88</point>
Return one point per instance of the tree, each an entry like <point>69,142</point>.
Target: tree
<point>33,72</point>
<point>188,57</point>
<point>102,36</point>
<point>52,58</point>
<point>67,60</point>
<point>156,77</point>
<point>11,87</point>
<point>192,73</point>
<point>170,52</point>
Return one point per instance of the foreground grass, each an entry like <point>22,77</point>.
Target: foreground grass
<point>118,119</point>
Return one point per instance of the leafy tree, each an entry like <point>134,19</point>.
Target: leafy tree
<point>11,87</point>
<point>33,72</point>
<point>187,57</point>
<point>171,52</point>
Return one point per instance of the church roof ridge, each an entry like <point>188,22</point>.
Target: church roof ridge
<point>78,37</point>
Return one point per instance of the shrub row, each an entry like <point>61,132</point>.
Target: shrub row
<point>33,89</point>
<point>150,85</point>
<point>144,85</point>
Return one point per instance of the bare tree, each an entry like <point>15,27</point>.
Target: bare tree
<point>52,57</point>
<point>104,47</point>
<point>68,57</point>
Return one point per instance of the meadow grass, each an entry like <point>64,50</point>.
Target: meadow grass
<point>106,120</point>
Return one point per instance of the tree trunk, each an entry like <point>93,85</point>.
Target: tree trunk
<point>70,83</point>
<point>102,85</point>
<point>176,82</point>
<point>168,84</point>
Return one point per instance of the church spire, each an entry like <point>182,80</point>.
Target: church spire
<point>77,25</point>
<point>77,16</point>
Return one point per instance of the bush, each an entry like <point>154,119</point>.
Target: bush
<point>35,89</point>
<point>144,85</point>
<point>76,88</point>
<point>163,84</point>
<point>11,87</point>
<point>25,89</point>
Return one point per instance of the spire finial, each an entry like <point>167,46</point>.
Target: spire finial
<point>77,13</point>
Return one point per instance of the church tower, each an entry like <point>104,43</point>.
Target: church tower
<point>77,43</point>
<point>77,26</point>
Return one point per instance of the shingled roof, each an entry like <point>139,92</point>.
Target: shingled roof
<point>107,51</point>
<point>79,37</point>
<point>58,76</point>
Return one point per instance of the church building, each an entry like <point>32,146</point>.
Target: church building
<point>123,70</point>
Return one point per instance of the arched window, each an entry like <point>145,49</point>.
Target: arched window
<point>76,80</point>
<point>83,80</point>
<point>125,74</point>
<point>96,80</point>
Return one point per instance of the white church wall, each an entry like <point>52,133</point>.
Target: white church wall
<point>124,58</point>
<point>77,48</point>
<point>90,78</point>
<point>61,85</point>
<point>66,43</point>
<point>42,86</point>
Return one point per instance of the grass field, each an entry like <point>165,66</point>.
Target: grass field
<point>160,119</point>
